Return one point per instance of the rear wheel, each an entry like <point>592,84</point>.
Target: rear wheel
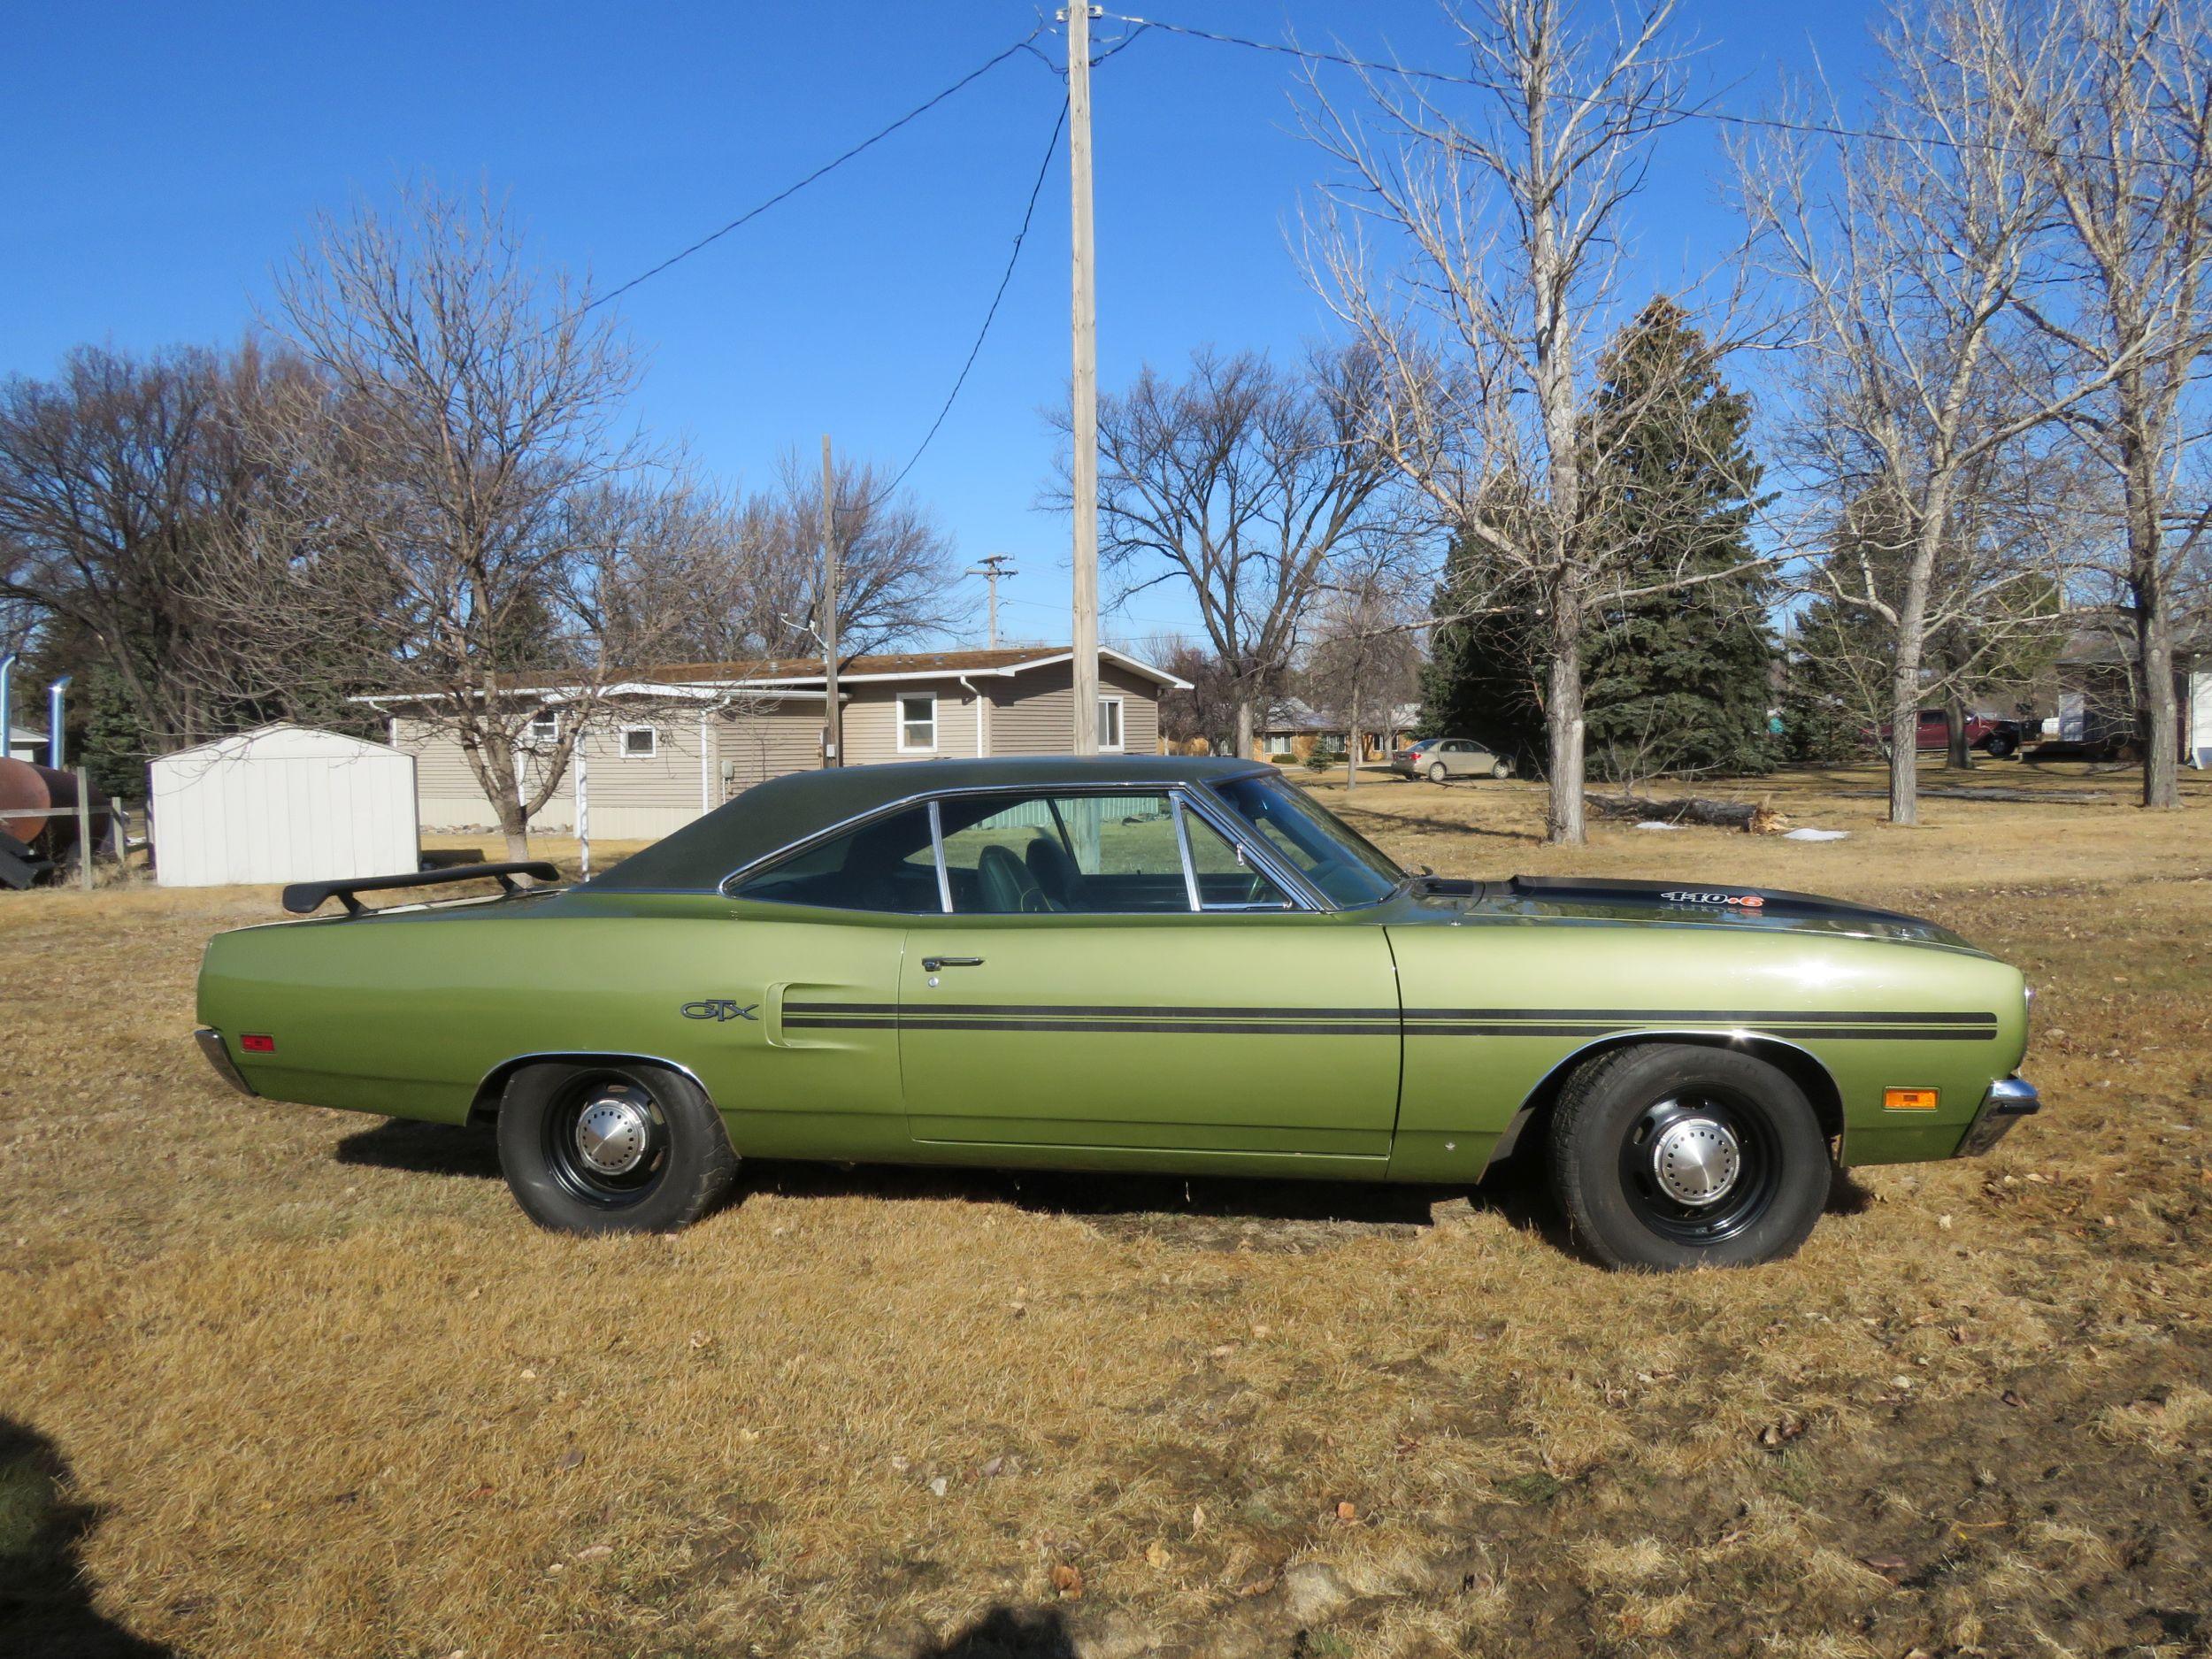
<point>1669,1155</point>
<point>1501,769</point>
<point>1437,774</point>
<point>615,1147</point>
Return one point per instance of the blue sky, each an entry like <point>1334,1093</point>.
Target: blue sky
<point>165,157</point>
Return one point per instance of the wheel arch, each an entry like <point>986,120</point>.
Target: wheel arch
<point>492,1085</point>
<point>1797,1063</point>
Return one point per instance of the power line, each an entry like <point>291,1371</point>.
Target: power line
<point>1029,212</point>
<point>827,167</point>
<point>1702,112</point>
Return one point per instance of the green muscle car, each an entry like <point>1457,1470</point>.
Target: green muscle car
<point>1137,964</point>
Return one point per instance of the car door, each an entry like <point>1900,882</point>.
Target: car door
<point>797,1032</point>
<point>1118,976</point>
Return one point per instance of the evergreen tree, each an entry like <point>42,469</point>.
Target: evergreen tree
<point>1678,681</point>
<point>1485,674</point>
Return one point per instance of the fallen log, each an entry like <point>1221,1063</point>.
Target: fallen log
<point>1941,792</point>
<point>1753,817</point>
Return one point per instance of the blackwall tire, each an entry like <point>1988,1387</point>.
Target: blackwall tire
<point>1437,773</point>
<point>1642,1136</point>
<point>619,1147</point>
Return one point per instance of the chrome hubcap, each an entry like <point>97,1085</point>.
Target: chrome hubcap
<point>612,1134</point>
<point>1695,1161</point>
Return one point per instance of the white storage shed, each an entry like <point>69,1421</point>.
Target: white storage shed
<point>283,803</point>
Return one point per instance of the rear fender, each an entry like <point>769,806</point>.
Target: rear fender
<point>494,1085</point>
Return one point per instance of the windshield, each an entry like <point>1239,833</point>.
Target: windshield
<point>1337,859</point>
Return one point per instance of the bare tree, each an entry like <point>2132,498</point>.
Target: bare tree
<point>1364,656</point>
<point>464,503</point>
<point>1508,204</point>
<point>1911,249</point>
<point>115,476</point>
<point>894,563</point>
<point>1247,484</point>
<point>2116,112</point>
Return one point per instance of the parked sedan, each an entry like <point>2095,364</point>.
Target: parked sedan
<point>1134,963</point>
<point>1440,759</point>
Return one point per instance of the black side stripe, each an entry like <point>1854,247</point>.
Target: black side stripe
<point>1934,1025</point>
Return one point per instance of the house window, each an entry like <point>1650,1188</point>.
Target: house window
<point>917,722</point>
<point>639,742</point>
<point>545,728</point>
<point>1109,725</point>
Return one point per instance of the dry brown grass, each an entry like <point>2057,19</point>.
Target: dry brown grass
<point>319,1390</point>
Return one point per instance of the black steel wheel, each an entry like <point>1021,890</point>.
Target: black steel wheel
<point>1668,1155</point>
<point>612,1147</point>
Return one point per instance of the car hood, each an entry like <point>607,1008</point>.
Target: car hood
<point>1588,900</point>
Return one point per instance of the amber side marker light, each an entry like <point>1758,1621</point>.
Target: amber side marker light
<point>256,1042</point>
<point>1908,1100</point>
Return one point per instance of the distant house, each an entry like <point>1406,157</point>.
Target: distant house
<point>1293,729</point>
<point>24,745</point>
<point>676,741</point>
<point>2096,690</point>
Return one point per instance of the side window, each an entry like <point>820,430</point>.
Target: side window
<point>1226,882</point>
<point>1032,854</point>
<point>886,865</point>
<point>917,722</point>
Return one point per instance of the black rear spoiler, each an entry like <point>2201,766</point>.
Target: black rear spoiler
<point>303,898</point>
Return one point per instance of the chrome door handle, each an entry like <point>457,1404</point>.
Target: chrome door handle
<point>930,964</point>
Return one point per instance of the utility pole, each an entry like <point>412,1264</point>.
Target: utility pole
<point>1085,422</point>
<point>833,717</point>
<point>991,568</point>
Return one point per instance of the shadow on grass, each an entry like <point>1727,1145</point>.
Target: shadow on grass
<point>46,1602</point>
<point>1204,1212</point>
<point>1006,1632</point>
<point>419,1148</point>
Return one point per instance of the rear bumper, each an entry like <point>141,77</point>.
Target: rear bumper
<point>211,1045</point>
<point>2009,1100</point>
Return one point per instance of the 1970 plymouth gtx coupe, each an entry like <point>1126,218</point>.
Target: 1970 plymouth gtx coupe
<point>1167,965</point>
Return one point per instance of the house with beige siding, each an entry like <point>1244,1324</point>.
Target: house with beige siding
<point>674,741</point>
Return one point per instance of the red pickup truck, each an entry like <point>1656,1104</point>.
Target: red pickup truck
<point>1998,738</point>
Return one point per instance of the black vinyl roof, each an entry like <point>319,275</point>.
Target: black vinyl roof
<point>772,816</point>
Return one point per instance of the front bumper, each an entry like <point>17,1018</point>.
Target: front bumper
<point>2009,1100</point>
<point>211,1045</point>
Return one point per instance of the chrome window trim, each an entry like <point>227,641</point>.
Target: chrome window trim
<point>1245,834</point>
<point>937,851</point>
<point>1182,847</point>
<point>922,797</point>
<point>1303,895</point>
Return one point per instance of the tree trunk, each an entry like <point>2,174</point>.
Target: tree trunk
<point>1244,728</point>
<point>1958,756</point>
<point>1563,726</point>
<point>1904,734</point>
<point>2160,722</point>
<point>1352,743</point>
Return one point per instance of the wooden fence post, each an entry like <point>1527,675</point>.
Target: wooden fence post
<point>84,830</point>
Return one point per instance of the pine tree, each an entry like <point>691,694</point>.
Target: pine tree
<point>1678,681</point>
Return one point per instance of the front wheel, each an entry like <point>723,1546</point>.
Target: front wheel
<point>1668,1155</point>
<point>617,1147</point>
<point>2001,747</point>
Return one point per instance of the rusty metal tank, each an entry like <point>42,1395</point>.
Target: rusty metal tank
<point>31,797</point>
